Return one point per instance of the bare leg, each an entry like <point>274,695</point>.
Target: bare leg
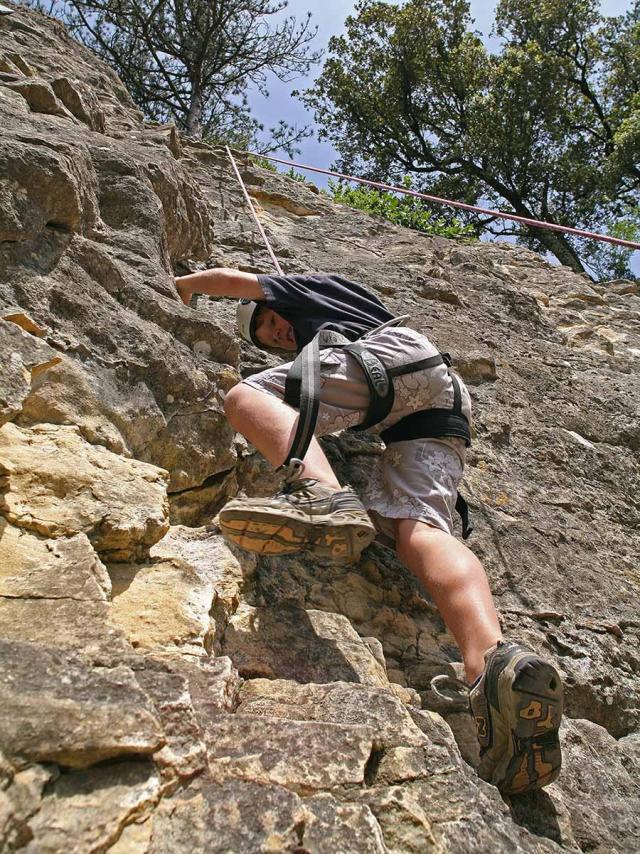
<point>449,571</point>
<point>269,424</point>
<point>457,583</point>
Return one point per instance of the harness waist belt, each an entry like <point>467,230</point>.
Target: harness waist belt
<point>428,424</point>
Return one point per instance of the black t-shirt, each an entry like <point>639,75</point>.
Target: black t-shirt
<point>315,302</point>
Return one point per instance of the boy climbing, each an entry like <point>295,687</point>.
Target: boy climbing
<point>359,366</point>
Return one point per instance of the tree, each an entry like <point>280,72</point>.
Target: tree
<point>547,128</point>
<point>192,61</point>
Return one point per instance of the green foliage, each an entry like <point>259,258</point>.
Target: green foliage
<point>264,163</point>
<point>608,261</point>
<point>296,176</point>
<point>547,128</point>
<point>407,211</point>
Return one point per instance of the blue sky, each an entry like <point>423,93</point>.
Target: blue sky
<point>329,17</point>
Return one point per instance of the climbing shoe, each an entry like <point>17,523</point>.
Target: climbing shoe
<point>303,516</point>
<point>517,706</point>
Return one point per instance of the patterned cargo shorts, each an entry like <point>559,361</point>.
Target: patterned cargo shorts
<point>415,479</point>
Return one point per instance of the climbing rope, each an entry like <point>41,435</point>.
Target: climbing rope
<point>550,226</point>
<point>255,215</point>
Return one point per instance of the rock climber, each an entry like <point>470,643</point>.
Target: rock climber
<point>372,367</point>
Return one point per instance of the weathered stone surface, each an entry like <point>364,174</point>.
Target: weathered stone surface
<point>132,209</point>
<point>86,810</point>
<point>235,815</point>
<point>299,755</point>
<point>45,584</point>
<point>97,210</point>
<point>22,319</point>
<point>214,684</point>
<point>183,755</point>
<point>216,565</point>
<point>20,796</point>
<point>22,357</point>
<point>337,702</point>
<point>308,646</point>
<point>40,97</point>
<point>192,506</point>
<point>67,394</point>
<point>429,816</point>
<point>83,105</point>
<point>348,828</point>
<point>381,600</point>
<point>244,816</point>
<point>34,568</point>
<point>134,839</point>
<point>584,809</point>
<point>54,708</point>
<point>162,605</point>
<point>58,485</point>
<point>68,623</point>
<point>46,185</point>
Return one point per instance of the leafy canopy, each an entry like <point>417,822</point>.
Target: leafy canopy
<point>548,127</point>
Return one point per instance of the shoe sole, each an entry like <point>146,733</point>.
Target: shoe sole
<point>531,699</point>
<point>270,534</point>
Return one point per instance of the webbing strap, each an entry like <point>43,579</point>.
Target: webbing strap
<point>457,396</point>
<point>421,365</point>
<point>380,382</point>
<point>428,424</point>
<point>302,389</point>
<point>462,508</point>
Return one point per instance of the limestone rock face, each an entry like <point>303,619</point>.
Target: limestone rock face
<point>67,567</point>
<point>76,716</point>
<point>162,605</point>
<point>23,358</point>
<point>58,485</point>
<point>163,692</point>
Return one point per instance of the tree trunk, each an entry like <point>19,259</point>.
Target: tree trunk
<point>559,246</point>
<point>194,116</point>
<point>554,241</point>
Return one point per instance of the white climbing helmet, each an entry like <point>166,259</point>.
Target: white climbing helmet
<point>246,316</point>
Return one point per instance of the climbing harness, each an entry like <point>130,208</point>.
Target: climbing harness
<point>303,384</point>
<point>302,391</point>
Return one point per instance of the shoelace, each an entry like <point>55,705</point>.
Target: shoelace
<point>293,480</point>
<point>458,698</point>
<point>300,485</point>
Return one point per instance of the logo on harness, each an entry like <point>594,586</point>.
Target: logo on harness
<point>376,371</point>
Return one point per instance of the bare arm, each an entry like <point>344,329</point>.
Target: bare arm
<point>219,282</point>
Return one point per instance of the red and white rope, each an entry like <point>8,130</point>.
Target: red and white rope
<point>551,226</point>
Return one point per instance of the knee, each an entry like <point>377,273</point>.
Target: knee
<point>415,539</point>
<point>236,402</point>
